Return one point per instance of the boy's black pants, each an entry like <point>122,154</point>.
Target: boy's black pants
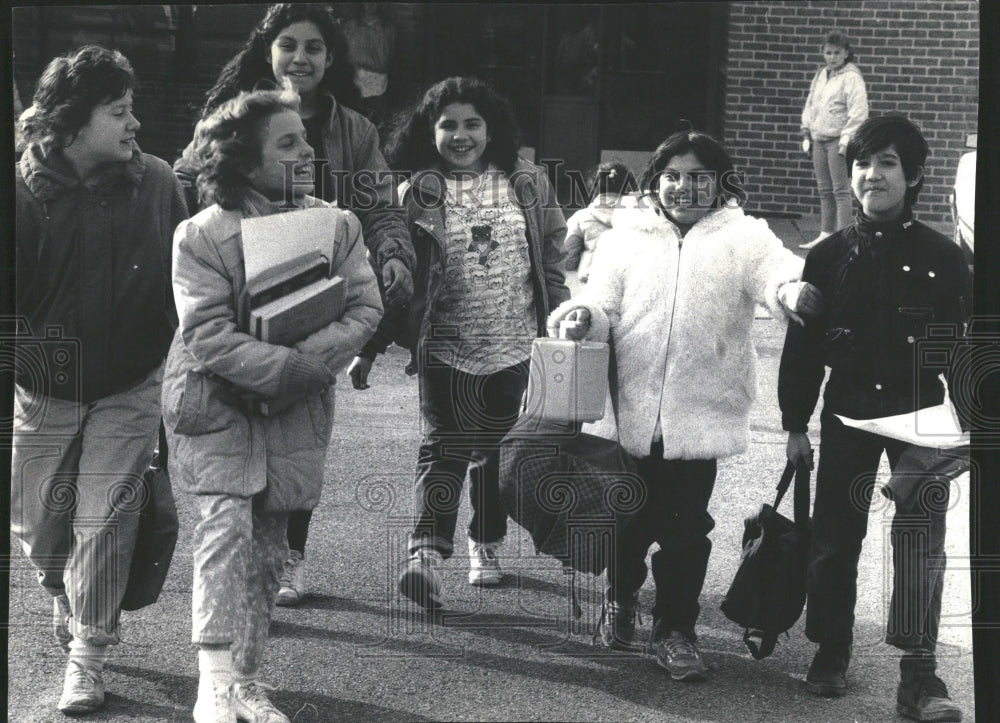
<point>845,482</point>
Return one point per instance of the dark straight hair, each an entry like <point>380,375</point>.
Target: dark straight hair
<point>708,150</point>
<point>893,129</point>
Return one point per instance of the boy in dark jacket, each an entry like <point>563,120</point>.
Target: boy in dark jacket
<point>884,279</point>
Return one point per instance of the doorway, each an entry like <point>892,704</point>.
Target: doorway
<point>588,81</point>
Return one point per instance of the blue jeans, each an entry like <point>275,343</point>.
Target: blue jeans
<point>834,185</point>
<point>848,461</point>
<point>465,417</point>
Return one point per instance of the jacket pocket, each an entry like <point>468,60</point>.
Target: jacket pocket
<point>840,348</point>
<point>916,289</point>
<point>915,320</point>
<point>303,426</point>
<point>203,409</point>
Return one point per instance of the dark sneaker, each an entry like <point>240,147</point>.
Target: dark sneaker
<point>60,621</point>
<point>680,655</point>
<point>827,675</point>
<point>617,623</point>
<point>420,581</point>
<point>293,580</point>
<point>926,699</point>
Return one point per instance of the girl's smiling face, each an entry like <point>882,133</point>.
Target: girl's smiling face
<point>461,137</point>
<point>835,56</point>
<point>286,159</point>
<point>299,53</point>
<point>686,188</point>
<point>880,184</point>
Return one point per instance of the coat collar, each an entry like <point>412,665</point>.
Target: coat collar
<point>875,234</point>
<point>49,175</point>
<point>257,204</point>
<point>847,68</point>
<point>646,217</point>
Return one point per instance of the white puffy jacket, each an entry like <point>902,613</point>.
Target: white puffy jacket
<point>680,312</point>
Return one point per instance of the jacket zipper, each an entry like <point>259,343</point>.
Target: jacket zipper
<point>670,330</point>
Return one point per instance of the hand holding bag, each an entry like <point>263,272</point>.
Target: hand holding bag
<point>768,592</point>
<point>572,492</point>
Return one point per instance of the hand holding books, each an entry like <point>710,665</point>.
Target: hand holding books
<point>293,292</point>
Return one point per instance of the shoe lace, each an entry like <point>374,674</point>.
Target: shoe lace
<point>81,676</point>
<point>679,646</point>
<point>255,693</point>
<point>612,610</point>
<point>223,693</point>
<point>485,552</point>
<point>934,687</point>
<point>288,572</point>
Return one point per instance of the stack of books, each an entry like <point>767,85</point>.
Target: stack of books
<point>292,289</point>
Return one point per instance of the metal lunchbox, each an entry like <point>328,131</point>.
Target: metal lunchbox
<point>568,381</point>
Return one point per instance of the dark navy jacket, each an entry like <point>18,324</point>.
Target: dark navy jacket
<point>887,287</point>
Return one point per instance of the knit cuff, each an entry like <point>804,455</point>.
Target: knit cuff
<point>303,373</point>
<point>395,252</point>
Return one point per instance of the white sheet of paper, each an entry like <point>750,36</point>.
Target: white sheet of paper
<point>277,241</point>
<point>929,427</point>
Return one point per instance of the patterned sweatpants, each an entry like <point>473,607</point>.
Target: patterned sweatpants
<point>239,551</point>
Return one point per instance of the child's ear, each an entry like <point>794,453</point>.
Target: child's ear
<point>329,60</point>
<point>911,182</point>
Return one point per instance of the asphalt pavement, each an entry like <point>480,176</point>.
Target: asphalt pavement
<point>354,650</point>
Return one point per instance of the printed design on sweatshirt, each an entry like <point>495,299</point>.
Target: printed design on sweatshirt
<point>486,292</point>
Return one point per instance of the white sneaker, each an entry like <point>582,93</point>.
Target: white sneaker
<point>484,563</point>
<point>252,704</point>
<point>83,690</point>
<point>420,580</point>
<point>293,580</point>
<point>216,702</point>
<point>810,244</point>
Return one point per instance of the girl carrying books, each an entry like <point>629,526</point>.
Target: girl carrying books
<point>303,44</point>
<point>248,470</point>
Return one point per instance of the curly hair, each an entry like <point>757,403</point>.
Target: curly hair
<point>410,145</point>
<point>249,70</point>
<point>70,88</point>
<point>228,144</point>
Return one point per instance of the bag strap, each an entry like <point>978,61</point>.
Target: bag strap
<point>801,493</point>
<point>613,381</point>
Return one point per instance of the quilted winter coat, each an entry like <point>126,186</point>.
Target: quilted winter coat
<point>217,445</point>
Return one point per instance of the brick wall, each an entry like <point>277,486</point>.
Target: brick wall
<point>920,57</point>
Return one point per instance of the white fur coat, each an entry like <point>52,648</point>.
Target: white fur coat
<point>680,312</point>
